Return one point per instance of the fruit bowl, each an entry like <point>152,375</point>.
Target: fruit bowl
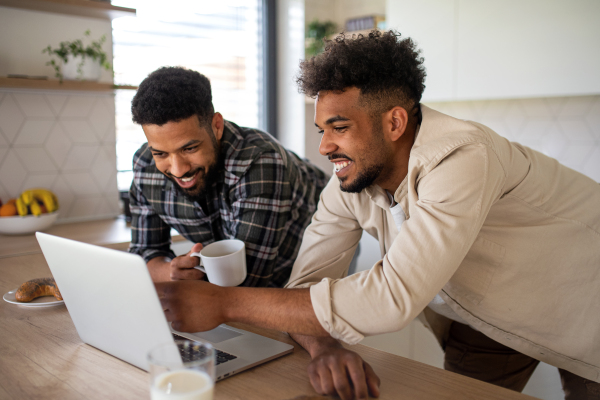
<point>27,224</point>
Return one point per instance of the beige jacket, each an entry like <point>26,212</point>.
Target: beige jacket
<point>510,238</point>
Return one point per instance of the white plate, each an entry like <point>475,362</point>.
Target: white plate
<point>44,301</point>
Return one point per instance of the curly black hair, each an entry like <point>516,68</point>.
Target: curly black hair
<point>387,70</point>
<point>172,94</point>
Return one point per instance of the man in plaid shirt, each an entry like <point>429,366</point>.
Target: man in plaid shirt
<point>210,179</point>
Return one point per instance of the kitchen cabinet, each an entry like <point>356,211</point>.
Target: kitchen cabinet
<point>486,49</point>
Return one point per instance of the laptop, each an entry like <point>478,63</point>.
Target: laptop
<point>113,303</point>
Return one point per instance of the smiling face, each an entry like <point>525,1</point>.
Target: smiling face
<point>186,152</point>
<point>353,143</point>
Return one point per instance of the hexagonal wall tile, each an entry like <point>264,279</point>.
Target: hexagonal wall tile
<point>81,184</point>
<point>34,132</point>
<point>575,129</point>
<point>11,118</point>
<point>12,174</point>
<point>536,108</point>
<point>80,157</point>
<point>79,131</point>
<point>83,207</point>
<point>103,168</point>
<point>575,155</point>
<point>39,181</point>
<point>100,119</point>
<point>65,195</point>
<point>56,102</point>
<point>33,105</point>
<point>537,129</point>
<point>78,106</point>
<point>576,106</point>
<point>3,153</point>
<point>35,159</point>
<point>58,145</point>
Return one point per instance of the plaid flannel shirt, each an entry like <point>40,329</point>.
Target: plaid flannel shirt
<point>266,197</point>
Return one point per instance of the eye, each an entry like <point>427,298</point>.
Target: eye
<point>158,154</point>
<point>321,131</point>
<point>340,129</point>
<point>190,149</point>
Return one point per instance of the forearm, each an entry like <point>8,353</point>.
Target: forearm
<point>288,310</point>
<point>315,345</point>
<point>159,268</point>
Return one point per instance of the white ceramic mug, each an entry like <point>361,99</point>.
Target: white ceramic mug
<point>223,262</point>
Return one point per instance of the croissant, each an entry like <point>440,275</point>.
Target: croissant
<point>36,288</point>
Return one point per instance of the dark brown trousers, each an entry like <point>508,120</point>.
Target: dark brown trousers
<point>471,353</point>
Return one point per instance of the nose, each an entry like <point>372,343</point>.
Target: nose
<point>326,146</point>
<point>179,165</point>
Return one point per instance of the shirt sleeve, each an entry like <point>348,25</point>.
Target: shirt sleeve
<point>329,242</point>
<point>451,204</point>
<point>150,235</point>
<point>262,213</point>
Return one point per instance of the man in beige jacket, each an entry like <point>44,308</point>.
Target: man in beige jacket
<point>494,246</point>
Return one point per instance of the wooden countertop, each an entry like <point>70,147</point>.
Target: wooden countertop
<point>113,233</point>
<point>42,357</point>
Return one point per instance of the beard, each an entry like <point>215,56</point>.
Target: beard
<point>369,174</point>
<point>363,180</point>
<point>198,192</point>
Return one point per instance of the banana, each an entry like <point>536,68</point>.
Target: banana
<point>35,208</point>
<point>30,196</point>
<point>21,207</point>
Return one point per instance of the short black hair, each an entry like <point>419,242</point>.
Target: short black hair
<point>386,69</point>
<point>172,94</point>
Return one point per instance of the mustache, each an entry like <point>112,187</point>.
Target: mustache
<point>186,175</point>
<point>338,155</point>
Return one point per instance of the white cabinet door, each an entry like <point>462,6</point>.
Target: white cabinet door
<point>492,49</point>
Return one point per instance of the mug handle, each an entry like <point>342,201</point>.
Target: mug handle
<point>199,267</point>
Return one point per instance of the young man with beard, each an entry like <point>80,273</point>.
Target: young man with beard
<point>210,179</point>
<point>494,246</point>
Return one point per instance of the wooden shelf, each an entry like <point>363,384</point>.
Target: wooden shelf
<point>82,8</point>
<point>54,84</point>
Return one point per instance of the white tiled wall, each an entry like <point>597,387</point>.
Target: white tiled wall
<point>565,128</point>
<point>63,141</point>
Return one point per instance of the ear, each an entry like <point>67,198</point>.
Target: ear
<point>396,121</point>
<point>218,125</point>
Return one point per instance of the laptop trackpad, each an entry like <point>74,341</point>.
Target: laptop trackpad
<point>219,334</point>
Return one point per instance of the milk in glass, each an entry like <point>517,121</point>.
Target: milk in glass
<point>183,384</point>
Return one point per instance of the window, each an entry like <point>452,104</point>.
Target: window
<point>223,40</point>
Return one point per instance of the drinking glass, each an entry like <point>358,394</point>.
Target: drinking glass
<point>182,370</point>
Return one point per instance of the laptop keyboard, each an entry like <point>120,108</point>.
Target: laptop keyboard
<point>221,355</point>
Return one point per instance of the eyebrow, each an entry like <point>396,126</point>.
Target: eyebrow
<point>331,120</point>
<point>191,142</point>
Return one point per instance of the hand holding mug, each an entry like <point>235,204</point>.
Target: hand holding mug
<point>184,267</point>
<point>224,262</point>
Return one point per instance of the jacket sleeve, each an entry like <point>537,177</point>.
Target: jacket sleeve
<point>449,206</point>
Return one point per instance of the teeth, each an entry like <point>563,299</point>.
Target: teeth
<point>187,179</point>
<point>341,165</point>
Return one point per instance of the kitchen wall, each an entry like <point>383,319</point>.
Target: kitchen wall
<point>63,141</point>
<point>60,140</point>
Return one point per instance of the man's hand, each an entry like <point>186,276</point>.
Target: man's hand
<point>182,267</point>
<point>191,306</point>
<point>335,370</point>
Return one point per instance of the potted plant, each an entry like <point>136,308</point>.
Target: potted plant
<point>78,61</point>
<point>316,31</point>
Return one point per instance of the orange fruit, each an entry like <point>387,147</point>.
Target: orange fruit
<point>8,210</point>
<point>12,201</point>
